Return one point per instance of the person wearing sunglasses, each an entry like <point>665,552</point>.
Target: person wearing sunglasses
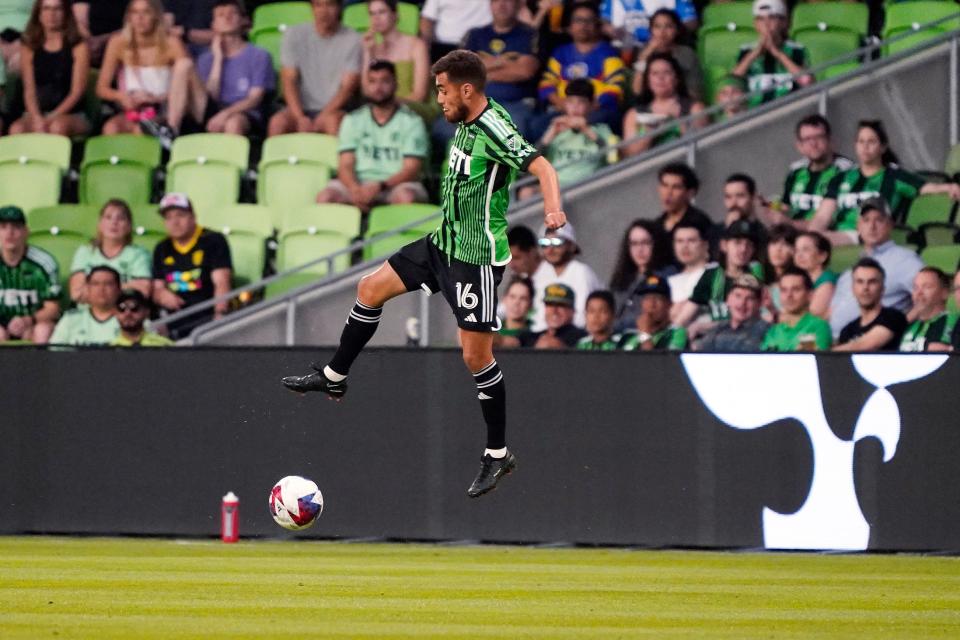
<point>133,309</point>
<point>559,265</point>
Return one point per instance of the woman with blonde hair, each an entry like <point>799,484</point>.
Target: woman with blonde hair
<point>113,246</point>
<point>155,78</point>
<point>55,62</point>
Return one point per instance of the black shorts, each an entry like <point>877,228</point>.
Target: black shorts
<point>470,289</point>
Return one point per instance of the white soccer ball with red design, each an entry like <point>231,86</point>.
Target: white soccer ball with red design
<point>295,503</point>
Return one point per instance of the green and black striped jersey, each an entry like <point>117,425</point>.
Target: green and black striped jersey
<point>485,155</point>
<point>25,286</point>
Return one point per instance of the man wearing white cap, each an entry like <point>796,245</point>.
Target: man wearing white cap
<point>769,63</point>
<point>558,247</point>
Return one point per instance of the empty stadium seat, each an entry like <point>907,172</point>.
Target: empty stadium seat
<point>936,234</point>
<point>31,148</point>
<point>722,15</point>
<point>270,22</point>
<point>76,218</point>
<point>30,185</point>
<point>148,228</point>
<point>824,46</point>
<point>357,17</point>
<point>249,218</point>
<point>294,168</point>
<point>721,48</point>
<point>208,168</point>
<point>851,17</point>
<point>119,166</point>
<point>389,217</point>
<point>945,257</point>
<point>930,208</point>
<point>904,17</point>
<point>844,257</point>
<point>247,227</point>
<point>61,244</point>
<point>340,219</point>
<point>300,247</point>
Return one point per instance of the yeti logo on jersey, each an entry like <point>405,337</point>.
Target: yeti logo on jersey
<point>459,162</point>
<point>854,200</point>
<point>804,201</point>
<point>830,518</point>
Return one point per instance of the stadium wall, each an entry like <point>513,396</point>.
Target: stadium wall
<point>776,451</point>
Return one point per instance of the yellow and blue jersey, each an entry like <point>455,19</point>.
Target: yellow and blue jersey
<point>601,65</point>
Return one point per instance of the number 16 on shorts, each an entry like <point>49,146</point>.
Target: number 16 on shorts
<point>466,299</point>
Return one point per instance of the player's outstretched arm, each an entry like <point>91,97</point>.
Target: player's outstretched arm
<point>553,215</point>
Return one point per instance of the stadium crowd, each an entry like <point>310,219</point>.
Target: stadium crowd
<point>577,77</point>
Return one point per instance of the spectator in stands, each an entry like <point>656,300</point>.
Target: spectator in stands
<point>560,332</point>
<point>599,314</point>
<point>632,23</point>
<point>236,75</point>
<point>98,21</point>
<point>930,326</point>
<point>769,64</point>
<point>692,251</point>
<point>573,145</point>
<point>190,20</point>
<point>807,182</point>
<point>666,36</point>
<point>587,56</point>
<point>29,280</point>
<point>798,329</point>
<point>812,254</point>
<point>156,81</point>
<point>93,323</point>
<point>190,266</point>
<point>409,54</point>
<point>955,336</point>
<point>524,251</point>
<point>55,65</point>
<point>320,73</point>
<point>133,309</point>
<point>517,304</point>
<point>382,148</point>
<point>730,92</point>
<point>745,330</point>
<point>14,15</point>
<point>509,51</point>
<point>663,99</point>
<point>780,249</point>
<point>738,256</point>
<point>444,23</point>
<point>741,202</point>
<point>113,246</point>
<point>677,186</point>
<point>638,257</point>
<point>878,328</point>
<point>546,17</point>
<point>653,330</point>
<point>874,226</point>
<point>559,248</point>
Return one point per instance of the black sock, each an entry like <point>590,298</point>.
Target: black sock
<point>493,402</point>
<point>361,324</point>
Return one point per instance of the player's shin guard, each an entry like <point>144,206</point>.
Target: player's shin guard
<point>361,324</point>
<point>493,401</point>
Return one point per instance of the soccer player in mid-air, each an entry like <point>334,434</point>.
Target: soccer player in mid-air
<point>464,258</point>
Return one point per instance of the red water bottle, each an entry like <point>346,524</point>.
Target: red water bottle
<point>230,518</point>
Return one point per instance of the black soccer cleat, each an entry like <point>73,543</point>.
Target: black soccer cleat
<point>316,381</point>
<point>491,470</point>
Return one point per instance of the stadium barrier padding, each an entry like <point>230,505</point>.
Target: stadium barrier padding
<point>776,451</point>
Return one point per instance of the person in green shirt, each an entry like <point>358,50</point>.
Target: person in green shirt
<point>29,283</point>
<point>812,254</point>
<point>94,323</point>
<point>599,324</point>
<point>133,309</point>
<point>654,332</point>
<point>807,182</point>
<point>798,329</point>
<point>382,148</point>
<point>930,325</point>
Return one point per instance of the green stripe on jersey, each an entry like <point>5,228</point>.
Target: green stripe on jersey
<point>26,286</point>
<point>485,156</point>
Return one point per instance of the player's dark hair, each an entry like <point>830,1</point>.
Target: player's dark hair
<point>462,67</point>
<point>580,87</point>
<point>889,157</point>
<point>870,263</point>
<point>749,182</point>
<point>820,241</point>
<point>383,65</point>
<point>813,120</point>
<point>105,269</point>
<point>524,282</point>
<point>127,213</point>
<point>680,83</point>
<point>800,273</point>
<point>689,177</point>
<point>238,4</point>
<point>522,237</point>
<point>942,278</point>
<point>626,271</point>
<point>606,296</point>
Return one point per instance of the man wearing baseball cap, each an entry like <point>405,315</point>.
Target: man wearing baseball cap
<point>770,63</point>
<point>560,333</point>
<point>653,332</point>
<point>559,265</point>
<point>133,309</point>
<point>29,283</point>
<point>190,266</point>
<point>745,330</point>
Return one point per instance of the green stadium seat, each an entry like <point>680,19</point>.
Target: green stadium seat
<point>148,228</point>
<point>208,168</point>
<point>722,15</point>
<point>76,218</point>
<point>721,48</point>
<point>249,218</point>
<point>952,165</point>
<point>825,46</point>
<point>388,217</point>
<point>270,21</point>
<point>62,245</point>
<point>318,148</point>
<point>29,148</point>
<point>936,234</point>
<point>31,185</point>
<point>357,17</point>
<point>851,17</point>
<point>903,235</point>
<point>930,208</point>
<point>300,247</point>
<point>945,257</point>
<point>120,166</point>
<point>339,219</point>
<point>844,257</point>
<point>903,17</point>
<point>294,168</point>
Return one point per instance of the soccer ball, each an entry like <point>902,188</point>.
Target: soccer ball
<point>295,503</point>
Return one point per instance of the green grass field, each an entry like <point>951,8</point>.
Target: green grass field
<point>120,588</point>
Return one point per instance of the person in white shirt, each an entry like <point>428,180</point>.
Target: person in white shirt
<point>444,23</point>
<point>559,265</point>
<point>692,249</point>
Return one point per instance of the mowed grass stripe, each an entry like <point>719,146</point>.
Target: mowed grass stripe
<point>110,588</point>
